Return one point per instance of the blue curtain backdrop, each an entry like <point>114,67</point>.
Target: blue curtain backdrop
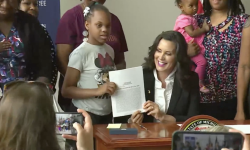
<point>49,15</point>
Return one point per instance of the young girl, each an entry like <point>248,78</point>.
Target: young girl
<point>93,58</point>
<point>70,35</point>
<point>188,27</point>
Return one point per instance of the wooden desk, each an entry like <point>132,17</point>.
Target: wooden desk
<point>158,137</point>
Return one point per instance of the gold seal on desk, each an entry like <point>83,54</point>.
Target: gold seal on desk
<point>199,123</point>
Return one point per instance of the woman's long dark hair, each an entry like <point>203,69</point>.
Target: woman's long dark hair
<point>183,60</point>
<point>27,118</point>
<point>235,7</point>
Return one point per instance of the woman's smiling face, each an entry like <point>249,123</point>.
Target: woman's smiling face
<point>165,56</point>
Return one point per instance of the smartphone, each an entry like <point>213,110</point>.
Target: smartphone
<point>65,121</point>
<point>199,140</point>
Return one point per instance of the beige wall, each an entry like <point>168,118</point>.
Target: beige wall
<point>247,5</point>
<point>142,21</point>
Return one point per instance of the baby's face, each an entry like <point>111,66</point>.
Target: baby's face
<point>189,7</point>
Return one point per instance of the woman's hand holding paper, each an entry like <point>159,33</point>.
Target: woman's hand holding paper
<point>137,117</point>
<point>153,110</point>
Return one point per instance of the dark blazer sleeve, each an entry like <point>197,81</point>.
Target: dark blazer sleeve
<point>194,100</point>
<point>38,47</point>
<point>43,46</point>
<point>53,58</point>
<point>149,88</point>
<point>184,103</point>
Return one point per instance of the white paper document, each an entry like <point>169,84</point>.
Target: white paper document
<point>243,128</point>
<point>130,95</point>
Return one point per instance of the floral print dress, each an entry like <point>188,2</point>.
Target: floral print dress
<point>222,49</point>
<point>12,61</point>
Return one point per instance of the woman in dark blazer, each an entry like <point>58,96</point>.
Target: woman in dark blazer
<point>171,88</point>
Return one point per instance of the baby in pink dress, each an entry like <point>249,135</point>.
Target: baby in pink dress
<point>188,27</point>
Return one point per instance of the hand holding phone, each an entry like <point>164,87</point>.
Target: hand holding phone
<point>84,136</point>
<point>65,121</point>
<point>246,144</point>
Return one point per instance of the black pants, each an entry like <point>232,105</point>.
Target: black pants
<point>247,110</point>
<point>96,119</point>
<point>247,104</point>
<point>225,110</point>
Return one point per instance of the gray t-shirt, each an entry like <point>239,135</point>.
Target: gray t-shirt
<point>94,62</point>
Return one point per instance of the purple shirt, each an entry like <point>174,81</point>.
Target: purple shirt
<point>71,27</point>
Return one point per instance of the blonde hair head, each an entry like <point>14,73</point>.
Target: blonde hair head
<point>219,128</point>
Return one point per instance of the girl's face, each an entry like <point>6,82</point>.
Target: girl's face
<point>98,26</point>
<point>29,6</point>
<point>8,8</point>
<point>189,7</point>
<point>165,56</point>
<point>218,4</point>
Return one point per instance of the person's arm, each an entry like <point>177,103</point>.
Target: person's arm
<point>42,46</point>
<point>199,31</point>
<point>70,89</point>
<point>136,117</point>
<point>63,52</point>
<point>185,22</point>
<point>119,60</point>
<point>246,143</point>
<point>120,63</point>
<point>167,118</point>
<point>243,73</point>
<point>194,32</point>
<point>153,109</point>
<point>65,40</point>
<point>84,136</point>
<point>193,49</point>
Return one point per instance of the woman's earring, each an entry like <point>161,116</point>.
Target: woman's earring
<point>85,34</point>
